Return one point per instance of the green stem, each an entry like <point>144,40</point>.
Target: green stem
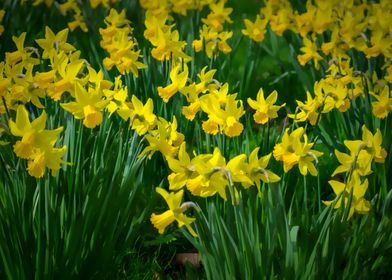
<point>268,130</point>
<point>305,195</point>
<point>318,190</point>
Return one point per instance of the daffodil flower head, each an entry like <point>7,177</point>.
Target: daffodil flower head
<point>178,79</point>
<point>293,151</point>
<point>265,108</point>
<point>175,212</point>
<point>37,143</point>
<point>88,105</point>
<point>373,144</point>
<point>354,188</point>
<point>257,169</point>
<point>255,30</point>
<point>383,104</point>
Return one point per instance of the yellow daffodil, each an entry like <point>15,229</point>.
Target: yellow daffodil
<point>175,212</point>
<point>332,94</point>
<point>238,170</point>
<point>105,3</point>
<point>54,43</point>
<point>143,118</point>
<point>257,169</point>
<point>359,160</point>
<point>307,110</point>
<point>255,30</point>
<point>212,176</point>
<point>178,81</point>
<point>167,45</point>
<point>383,105</point>
<point>165,139</point>
<point>37,143</point>
<point>265,108</point>
<point>68,72</point>
<point>118,41</point>
<point>310,52</point>
<point>224,112</point>
<point>373,144</point>
<point>218,15</point>
<point>118,100</point>
<point>356,189</point>
<point>88,106</point>
<point>23,54</point>
<point>293,151</point>
<point>182,169</point>
<point>214,41</point>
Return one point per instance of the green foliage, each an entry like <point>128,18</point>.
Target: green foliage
<point>260,239</point>
<point>78,222</point>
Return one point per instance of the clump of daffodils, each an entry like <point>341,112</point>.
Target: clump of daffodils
<point>118,41</point>
<point>212,36</point>
<point>356,164</point>
<point>36,144</point>
<point>205,175</point>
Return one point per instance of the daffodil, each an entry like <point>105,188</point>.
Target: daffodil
<point>308,110</point>
<point>118,100</point>
<point>257,169</point>
<point>175,212</point>
<point>265,108</point>
<point>310,52</point>
<point>37,143</point>
<point>191,110</point>
<point>255,30</point>
<point>381,43</point>
<point>106,3</point>
<point>178,80</point>
<point>373,144</point>
<point>224,112</point>
<point>359,160</point>
<point>332,93</point>
<point>211,175</point>
<point>68,73</point>
<point>54,43</point>
<point>293,151</point>
<point>88,106</point>
<point>213,40</point>
<point>167,45</point>
<point>354,188</point>
<point>280,20</point>
<point>218,16</point>
<point>118,41</point>
<point>238,170</point>
<point>383,104</point>
<point>182,169</point>
<point>23,54</point>
<point>165,139</point>
<point>143,118</point>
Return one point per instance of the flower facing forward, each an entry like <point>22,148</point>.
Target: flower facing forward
<point>255,30</point>
<point>265,108</point>
<point>88,106</point>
